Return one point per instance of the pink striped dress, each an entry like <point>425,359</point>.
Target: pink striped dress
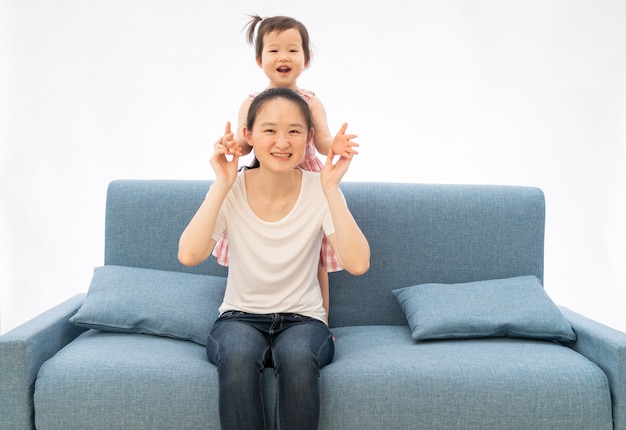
<point>328,259</point>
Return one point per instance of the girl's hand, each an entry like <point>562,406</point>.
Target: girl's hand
<point>225,158</point>
<point>332,172</point>
<point>343,144</point>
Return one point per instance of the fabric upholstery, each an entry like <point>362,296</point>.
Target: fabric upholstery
<point>380,379</point>
<point>491,383</point>
<point>134,300</point>
<point>513,307</point>
<point>606,347</point>
<point>22,351</point>
<point>120,381</point>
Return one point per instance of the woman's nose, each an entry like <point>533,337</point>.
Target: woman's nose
<point>282,141</point>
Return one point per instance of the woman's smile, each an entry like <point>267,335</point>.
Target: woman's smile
<point>281,154</point>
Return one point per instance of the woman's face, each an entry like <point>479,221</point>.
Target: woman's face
<point>279,135</point>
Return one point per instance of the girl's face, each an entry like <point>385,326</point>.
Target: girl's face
<point>279,135</point>
<point>282,59</point>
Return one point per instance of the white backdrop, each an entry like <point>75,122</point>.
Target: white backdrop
<point>516,92</point>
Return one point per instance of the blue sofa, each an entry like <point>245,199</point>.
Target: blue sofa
<point>447,330</point>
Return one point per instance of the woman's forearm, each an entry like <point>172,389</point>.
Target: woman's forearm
<point>196,242</point>
<point>349,242</point>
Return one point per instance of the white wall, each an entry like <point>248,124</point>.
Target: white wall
<point>518,92</point>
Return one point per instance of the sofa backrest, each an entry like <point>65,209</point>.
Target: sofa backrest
<point>418,233</point>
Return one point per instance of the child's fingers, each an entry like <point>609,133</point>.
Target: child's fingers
<point>234,149</point>
<point>226,137</point>
<point>227,144</point>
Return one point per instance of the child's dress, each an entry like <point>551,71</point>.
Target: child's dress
<point>328,259</point>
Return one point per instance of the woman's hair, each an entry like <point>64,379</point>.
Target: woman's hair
<point>279,24</point>
<point>277,93</point>
<point>273,94</point>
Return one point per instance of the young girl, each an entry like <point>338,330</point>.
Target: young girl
<point>275,216</point>
<point>282,50</point>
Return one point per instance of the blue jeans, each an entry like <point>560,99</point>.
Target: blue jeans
<point>241,345</point>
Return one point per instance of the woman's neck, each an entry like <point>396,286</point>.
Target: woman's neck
<point>271,196</point>
<point>271,184</point>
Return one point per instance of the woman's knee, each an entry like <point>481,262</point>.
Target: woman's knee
<point>236,344</point>
<point>305,347</point>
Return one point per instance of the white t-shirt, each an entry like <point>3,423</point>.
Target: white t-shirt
<point>273,265</point>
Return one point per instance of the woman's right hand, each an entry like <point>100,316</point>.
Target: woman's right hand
<point>196,241</point>
<point>225,158</point>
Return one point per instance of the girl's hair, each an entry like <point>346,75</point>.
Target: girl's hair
<point>279,24</point>
<point>273,94</point>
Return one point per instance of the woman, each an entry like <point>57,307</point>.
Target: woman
<point>274,216</point>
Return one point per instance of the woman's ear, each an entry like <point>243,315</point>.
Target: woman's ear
<point>310,136</point>
<point>247,134</point>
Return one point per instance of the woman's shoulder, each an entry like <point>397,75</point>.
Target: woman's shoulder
<point>310,180</point>
<point>310,176</point>
<point>240,182</point>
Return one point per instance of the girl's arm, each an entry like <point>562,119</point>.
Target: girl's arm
<point>323,139</point>
<point>196,242</point>
<point>348,241</point>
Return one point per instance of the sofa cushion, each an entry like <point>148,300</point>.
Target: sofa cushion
<point>105,381</point>
<point>163,303</point>
<point>513,307</point>
<point>380,379</point>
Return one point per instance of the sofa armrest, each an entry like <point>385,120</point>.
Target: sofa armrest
<point>22,352</point>
<point>606,347</point>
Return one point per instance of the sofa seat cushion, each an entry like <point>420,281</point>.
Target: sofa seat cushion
<point>380,378</point>
<point>106,381</point>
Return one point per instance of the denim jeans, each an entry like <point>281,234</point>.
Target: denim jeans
<point>241,345</point>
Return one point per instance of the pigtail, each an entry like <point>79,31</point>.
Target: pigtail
<point>251,27</point>
<point>258,27</point>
